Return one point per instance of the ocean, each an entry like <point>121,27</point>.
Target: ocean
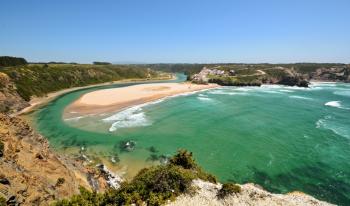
<point>282,138</point>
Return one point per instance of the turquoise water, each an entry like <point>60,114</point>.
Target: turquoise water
<point>283,138</point>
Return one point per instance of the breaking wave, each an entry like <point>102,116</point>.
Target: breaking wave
<point>328,123</point>
<point>299,97</point>
<point>204,98</point>
<point>132,117</point>
<point>336,104</point>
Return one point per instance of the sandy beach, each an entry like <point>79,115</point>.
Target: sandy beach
<point>37,102</point>
<point>107,100</point>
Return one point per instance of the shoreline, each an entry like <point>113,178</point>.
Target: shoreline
<point>117,99</point>
<point>37,102</point>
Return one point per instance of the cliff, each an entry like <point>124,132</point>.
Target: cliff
<point>31,174</point>
<point>207,195</point>
<point>10,101</point>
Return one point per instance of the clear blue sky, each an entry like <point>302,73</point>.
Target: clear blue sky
<point>248,31</point>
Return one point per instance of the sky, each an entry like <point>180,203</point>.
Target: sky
<point>176,31</point>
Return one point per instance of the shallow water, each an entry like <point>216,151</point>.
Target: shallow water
<point>283,138</point>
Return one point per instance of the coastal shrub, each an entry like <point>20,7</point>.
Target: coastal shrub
<point>184,159</point>
<point>154,185</point>
<point>228,189</point>
<point>2,201</point>
<point>84,198</point>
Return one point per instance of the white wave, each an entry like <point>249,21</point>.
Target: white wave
<point>285,90</point>
<point>328,123</point>
<point>244,89</point>
<point>227,92</point>
<point>202,95</point>
<point>271,91</point>
<point>299,97</point>
<point>204,98</point>
<point>342,93</point>
<point>334,104</point>
<point>132,117</point>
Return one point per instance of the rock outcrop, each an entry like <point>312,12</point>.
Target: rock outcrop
<point>250,194</point>
<point>340,73</point>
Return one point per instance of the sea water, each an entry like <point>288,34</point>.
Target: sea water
<point>283,138</point>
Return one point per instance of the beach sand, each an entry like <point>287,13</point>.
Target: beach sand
<point>111,100</point>
<point>37,102</point>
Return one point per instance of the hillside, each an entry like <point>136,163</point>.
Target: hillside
<point>20,83</point>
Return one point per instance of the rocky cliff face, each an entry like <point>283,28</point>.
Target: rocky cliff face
<point>31,174</point>
<point>250,195</point>
<point>340,73</point>
<point>10,101</point>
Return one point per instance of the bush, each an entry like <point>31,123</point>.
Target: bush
<point>184,159</point>
<point>154,185</point>
<point>2,201</point>
<point>228,189</point>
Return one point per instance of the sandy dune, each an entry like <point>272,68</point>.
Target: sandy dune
<point>118,98</point>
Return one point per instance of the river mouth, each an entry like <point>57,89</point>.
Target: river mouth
<point>283,138</point>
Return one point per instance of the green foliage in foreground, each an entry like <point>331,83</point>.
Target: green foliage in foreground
<point>154,185</point>
<point>38,80</point>
<point>228,189</point>
<point>2,201</point>
<point>6,61</point>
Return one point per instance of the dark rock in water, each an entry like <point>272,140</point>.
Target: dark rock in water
<point>153,157</point>
<point>152,149</point>
<point>127,146</point>
<point>293,81</point>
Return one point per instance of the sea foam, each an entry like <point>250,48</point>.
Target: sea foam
<point>328,122</point>
<point>300,97</point>
<point>336,104</point>
<point>132,117</point>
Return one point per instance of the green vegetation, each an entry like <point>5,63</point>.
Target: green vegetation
<point>2,201</point>
<point>2,148</point>
<point>38,80</point>
<point>101,63</point>
<point>154,185</point>
<point>228,189</point>
<point>7,61</point>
